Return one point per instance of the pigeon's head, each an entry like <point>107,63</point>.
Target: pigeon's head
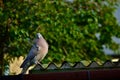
<point>38,35</point>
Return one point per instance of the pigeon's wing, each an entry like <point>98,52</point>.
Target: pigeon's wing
<point>30,56</point>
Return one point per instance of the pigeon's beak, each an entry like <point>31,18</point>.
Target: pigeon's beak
<point>39,35</point>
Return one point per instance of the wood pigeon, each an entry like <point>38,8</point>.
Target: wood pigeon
<point>36,53</point>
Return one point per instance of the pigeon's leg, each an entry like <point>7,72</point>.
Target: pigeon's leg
<point>38,63</point>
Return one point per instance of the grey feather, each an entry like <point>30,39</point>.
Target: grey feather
<point>30,56</point>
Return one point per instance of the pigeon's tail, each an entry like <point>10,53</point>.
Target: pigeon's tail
<point>25,68</point>
<point>23,64</point>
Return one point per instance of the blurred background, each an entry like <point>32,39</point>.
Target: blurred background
<point>76,30</point>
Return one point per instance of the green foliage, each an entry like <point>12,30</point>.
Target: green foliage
<point>69,27</point>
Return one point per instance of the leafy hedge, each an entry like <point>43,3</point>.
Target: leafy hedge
<point>70,28</point>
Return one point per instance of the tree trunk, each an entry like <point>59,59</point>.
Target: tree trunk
<point>1,3</point>
<point>1,61</point>
<point>1,48</point>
